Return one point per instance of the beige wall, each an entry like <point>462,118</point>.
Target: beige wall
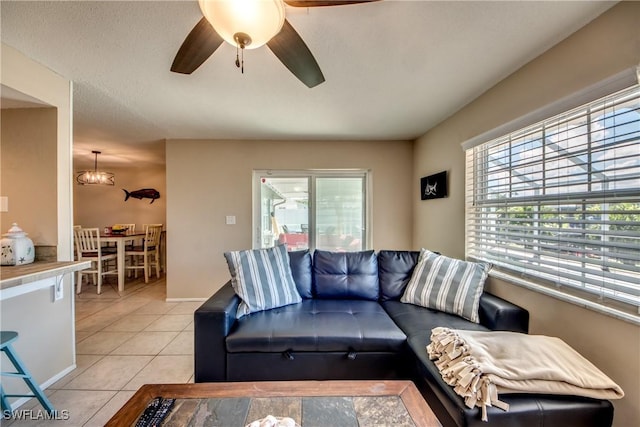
<point>207,180</point>
<point>29,149</point>
<point>608,45</point>
<point>24,75</point>
<point>41,323</point>
<point>102,206</point>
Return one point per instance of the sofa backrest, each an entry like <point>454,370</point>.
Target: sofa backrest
<point>360,275</point>
<point>300,262</point>
<point>394,271</point>
<point>345,275</point>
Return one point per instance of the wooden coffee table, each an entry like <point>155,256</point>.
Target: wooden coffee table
<point>307,402</point>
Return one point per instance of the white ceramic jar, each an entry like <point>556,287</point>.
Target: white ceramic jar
<point>16,247</point>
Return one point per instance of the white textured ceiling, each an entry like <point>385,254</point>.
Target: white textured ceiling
<point>393,69</point>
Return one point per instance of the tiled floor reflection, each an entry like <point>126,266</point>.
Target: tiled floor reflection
<point>123,342</point>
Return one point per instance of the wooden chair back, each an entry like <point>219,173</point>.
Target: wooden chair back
<point>87,241</point>
<point>152,236</point>
<point>89,246</point>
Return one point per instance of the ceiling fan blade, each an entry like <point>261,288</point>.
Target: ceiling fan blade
<point>199,45</point>
<point>291,50</point>
<point>320,3</point>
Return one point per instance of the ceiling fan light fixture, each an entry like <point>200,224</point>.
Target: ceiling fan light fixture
<point>259,19</point>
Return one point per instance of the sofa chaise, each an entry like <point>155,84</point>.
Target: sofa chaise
<point>350,323</point>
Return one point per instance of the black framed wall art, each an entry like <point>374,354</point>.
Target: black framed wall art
<point>433,186</point>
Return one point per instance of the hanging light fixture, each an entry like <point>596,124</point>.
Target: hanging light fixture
<point>96,177</point>
<point>245,24</point>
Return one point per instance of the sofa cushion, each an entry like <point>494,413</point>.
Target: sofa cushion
<point>416,320</point>
<point>300,262</point>
<point>394,271</point>
<point>262,279</point>
<point>318,325</point>
<point>447,284</point>
<point>345,275</point>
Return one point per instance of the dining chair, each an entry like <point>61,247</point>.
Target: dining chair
<point>161,248</point>
<point>75,250</point>
<point>149,252</point>
<point>89,247</point>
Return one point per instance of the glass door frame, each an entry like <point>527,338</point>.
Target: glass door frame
<point>311,175</point>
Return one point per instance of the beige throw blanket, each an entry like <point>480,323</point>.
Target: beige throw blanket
<point>482,365</point>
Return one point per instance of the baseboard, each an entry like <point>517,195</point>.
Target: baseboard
<point>21,401</point>
<point>57,377</point>
<point>185,299</point>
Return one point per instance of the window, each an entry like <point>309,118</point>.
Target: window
<point>558,202</point>
<point>311,210</point>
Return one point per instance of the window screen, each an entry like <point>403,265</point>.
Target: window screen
<point>559,201</point>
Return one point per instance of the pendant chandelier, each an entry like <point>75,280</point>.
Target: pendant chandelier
<point>96,177</point>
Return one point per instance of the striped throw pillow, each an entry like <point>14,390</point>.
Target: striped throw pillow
<point>447,284</point>
<point>262,279</point>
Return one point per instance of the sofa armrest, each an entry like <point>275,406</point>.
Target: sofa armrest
<point>212,322</point>
<point>498,314</point>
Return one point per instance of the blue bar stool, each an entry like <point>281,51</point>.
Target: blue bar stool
<point>6,338</point>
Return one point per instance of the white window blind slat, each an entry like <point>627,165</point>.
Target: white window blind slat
<point>559,201</point>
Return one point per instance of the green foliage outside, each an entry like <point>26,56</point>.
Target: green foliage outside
<point>574,222</point>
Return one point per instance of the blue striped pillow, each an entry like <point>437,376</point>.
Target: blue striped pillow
<point>447,284</point>
<point>262,279</point>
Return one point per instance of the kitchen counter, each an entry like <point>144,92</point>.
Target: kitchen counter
<point>20,279</point>
<point>37,301</point>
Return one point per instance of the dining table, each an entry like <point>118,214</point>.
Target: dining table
<point>121,240</point>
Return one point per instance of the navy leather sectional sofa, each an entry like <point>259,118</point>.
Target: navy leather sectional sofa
<point>351,325</point>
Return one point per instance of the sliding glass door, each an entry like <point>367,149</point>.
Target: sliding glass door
<point>308,210</point>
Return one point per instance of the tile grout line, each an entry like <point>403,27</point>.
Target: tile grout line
<point>142,331</point>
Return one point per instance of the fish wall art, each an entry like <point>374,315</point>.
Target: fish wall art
<point>144,193</point>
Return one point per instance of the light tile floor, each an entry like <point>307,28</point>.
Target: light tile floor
<point>123,342</point>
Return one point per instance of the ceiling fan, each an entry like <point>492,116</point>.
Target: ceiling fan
<point>250,24</point>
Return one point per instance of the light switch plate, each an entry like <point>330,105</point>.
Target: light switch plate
<point>231,219</point>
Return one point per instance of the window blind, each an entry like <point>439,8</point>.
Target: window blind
<point>559,201</point>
